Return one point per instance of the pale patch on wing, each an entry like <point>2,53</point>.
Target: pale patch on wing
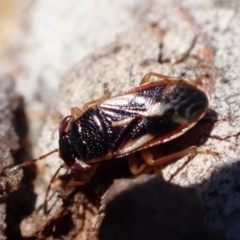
<point>133,103</point>
<point>135,144</point>
<point>122,122</point>
<point>97,120</point>
<point>122,100</point>
<point>154,110</point>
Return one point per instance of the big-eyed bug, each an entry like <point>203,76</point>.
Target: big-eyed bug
<point>112,127</point>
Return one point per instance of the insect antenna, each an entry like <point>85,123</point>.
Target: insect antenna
<point>15,168</point>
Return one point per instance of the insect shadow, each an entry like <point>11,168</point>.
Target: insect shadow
<point>198,135</point>
<point>151,208</point>
<point>177,119</point>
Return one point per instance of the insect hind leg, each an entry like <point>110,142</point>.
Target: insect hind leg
<point>149,160</point>
<point>148,76</point>
<point>134,166</point>
<point>191,152</point>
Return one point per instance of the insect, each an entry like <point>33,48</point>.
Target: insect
<point>112,127</point>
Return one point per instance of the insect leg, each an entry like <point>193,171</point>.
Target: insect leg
<point>106,95</point>
<point>76,112</point>
<point>133,165</point>
<point>87,177</point>
<point>49,185</point>
<point>148,157</point>
<point>148,76</point>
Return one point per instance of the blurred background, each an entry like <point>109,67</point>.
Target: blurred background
<point>41,40</point>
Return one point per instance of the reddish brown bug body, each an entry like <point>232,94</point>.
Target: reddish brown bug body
<point>153,113</point>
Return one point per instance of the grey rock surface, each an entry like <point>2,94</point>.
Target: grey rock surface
<point>162,34</point>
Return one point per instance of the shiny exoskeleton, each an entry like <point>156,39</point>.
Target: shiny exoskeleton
<point>145,116</point>
<point>153,113</point>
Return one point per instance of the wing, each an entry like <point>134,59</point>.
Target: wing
<point>151,114</point>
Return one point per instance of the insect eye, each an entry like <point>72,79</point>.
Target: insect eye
<point>65,125</point>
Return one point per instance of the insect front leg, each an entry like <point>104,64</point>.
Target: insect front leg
<point>49,186</point>
<point>86,177</point>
